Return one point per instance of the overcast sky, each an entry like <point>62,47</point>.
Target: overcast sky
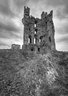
<point>11,27</point>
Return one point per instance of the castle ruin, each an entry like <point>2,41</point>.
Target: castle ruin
<point>38,33</point>
<point>23,73</point>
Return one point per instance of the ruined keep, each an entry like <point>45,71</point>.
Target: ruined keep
<point>38,33</point>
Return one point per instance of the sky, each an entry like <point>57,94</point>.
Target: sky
<point>11,14</point>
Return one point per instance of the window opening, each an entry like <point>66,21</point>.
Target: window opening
<point>39,40</point>
<point>38,49</point>
<point>35,32</point>
<point>29,39</point>
<point>34,25</point>
<point>34,41</point>
<point>32,49</point>
<point>50,39</point>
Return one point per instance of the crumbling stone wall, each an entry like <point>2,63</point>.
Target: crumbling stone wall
<point>15,47</point>
<point>39,32</point>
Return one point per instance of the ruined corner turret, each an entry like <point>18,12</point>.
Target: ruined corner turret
<point>38,33</point>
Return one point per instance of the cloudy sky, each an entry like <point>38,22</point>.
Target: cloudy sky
<point>11,27</point>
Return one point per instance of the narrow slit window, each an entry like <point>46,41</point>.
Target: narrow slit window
<point>29,39</point>
<point>34,41</point>
<point>38,49</point>
<point>50,39</point>
<point>34,25</point>
<point>32,49</point>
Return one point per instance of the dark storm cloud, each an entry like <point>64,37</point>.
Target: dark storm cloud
<point>8,27</point>
<point>9,35</point>
<point>65,2</point>
<point>54,2</point>
<point>62,6</point>
<point>5,8</point>
<point>21,3</point>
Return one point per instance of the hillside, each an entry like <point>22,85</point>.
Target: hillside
<point>30,74</point>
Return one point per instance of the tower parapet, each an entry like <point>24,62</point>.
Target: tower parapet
<point>43,15</point>
<point>26,11</point>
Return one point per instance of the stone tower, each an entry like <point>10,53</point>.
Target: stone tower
<point>38,33</point>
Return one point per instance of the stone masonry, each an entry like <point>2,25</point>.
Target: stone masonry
<point>38,33</point>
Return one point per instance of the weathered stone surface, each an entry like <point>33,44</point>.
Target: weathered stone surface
<point>38,31</point>
<point>15,47</point>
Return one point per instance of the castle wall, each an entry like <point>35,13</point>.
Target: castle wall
<point>50,30</point>
<point>15,47</point>
<point>37,31</point>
